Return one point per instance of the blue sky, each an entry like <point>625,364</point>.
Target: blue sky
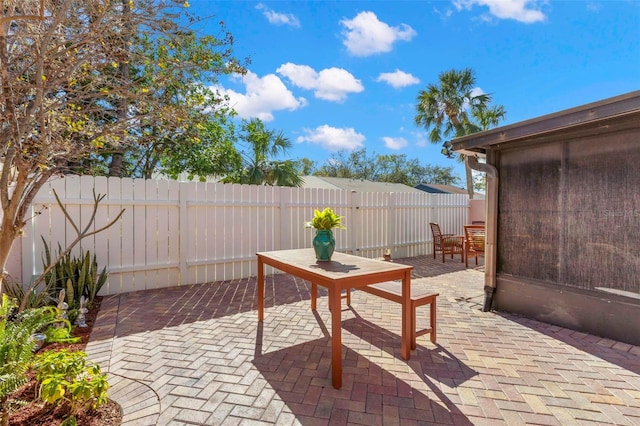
<point>345,75</point>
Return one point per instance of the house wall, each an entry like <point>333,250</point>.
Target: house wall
<point>568,226</point>
<point>477,212</point>
<point>606,315</point>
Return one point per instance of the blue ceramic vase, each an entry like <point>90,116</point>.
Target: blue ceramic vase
<point>324,244</point>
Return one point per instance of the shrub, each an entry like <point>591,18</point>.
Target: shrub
<point>36,299</point>
<point>16,345</point>
<point>78,276</point>
<point>65,376</point>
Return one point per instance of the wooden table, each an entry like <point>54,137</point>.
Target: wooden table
<point>343,272</point>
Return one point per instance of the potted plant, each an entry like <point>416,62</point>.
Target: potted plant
<point>324,221</point>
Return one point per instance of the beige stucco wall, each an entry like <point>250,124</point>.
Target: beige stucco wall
<point>476,210</point>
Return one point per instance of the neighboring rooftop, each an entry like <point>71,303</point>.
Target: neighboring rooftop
<point>440,189</point>
<point>359,185</point>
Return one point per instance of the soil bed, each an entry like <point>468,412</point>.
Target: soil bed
<point>36,412</point>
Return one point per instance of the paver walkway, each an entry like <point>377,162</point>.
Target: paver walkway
<point>196,355</point>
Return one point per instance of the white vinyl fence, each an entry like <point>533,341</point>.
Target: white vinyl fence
<point>177,233</point>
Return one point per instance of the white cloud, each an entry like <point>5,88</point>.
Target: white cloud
<point>477,91</point>
<point>278,18</point>
<point>444,14</point>
<point>398,78</point>
<point>526,11</point>
<point>262,96</point>
<point>335,83</point>
<point>331,84</point>
<point>421,137</point>
<point>301,75</point>
<point>333,138</point>
<point>594,7</point>
<point>365,35</point>
<point>395,143</point>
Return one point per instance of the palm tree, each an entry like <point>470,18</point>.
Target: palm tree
<point>451,109</point>
<point>260,167</point>
<point>489,117</point>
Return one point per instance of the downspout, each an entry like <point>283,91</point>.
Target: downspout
<point>491,208</point>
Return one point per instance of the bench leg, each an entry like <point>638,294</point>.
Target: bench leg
<point>432,321</point>
<point>413,325</point>
<point>432,314</point>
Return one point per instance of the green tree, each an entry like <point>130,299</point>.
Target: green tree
<point>214,154</point>
<point>63,95</point>
<point>487,118</point>
<point>187,120</point>
<point>336,166</point>
<point>354,165</point>
<point>398,169</point>
<point>305,166</point>
<point>452,109</point>
<point>259,164</point>
<point>391,168</point>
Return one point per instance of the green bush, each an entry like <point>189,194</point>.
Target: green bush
<point>17,345</point>
<point>36,299</point>
<point>60,334</point>
<point>77,276</point>
<point>68,376</point>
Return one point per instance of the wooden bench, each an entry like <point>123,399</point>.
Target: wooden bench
<point>392,290</point>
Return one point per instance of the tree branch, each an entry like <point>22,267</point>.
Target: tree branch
<point>80,236</point>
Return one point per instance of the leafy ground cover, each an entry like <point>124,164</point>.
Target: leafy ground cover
<point>36,412</point>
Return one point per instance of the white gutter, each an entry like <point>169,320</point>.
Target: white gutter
<point>491,209</point>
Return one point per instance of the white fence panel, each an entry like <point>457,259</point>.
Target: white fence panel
<point>127,246</point>
<point>101,244</point>
<point>173,241</point>
<point>140,236</point>
<point>114,237</point>
<point>184,233</point>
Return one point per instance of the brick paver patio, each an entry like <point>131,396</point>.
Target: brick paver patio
<point>196,355</point>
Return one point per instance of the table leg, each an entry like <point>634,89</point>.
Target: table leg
<point>314,296</point>
<point>260,289</point>
<point>405,349</point>
<point>336,337</point>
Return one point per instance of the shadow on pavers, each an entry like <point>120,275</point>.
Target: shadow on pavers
<point>597,346</point>
<point>301,376</point>
<point>149,310</point>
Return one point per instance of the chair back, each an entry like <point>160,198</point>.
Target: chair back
<point>435,231</point>
<point>474,235</point>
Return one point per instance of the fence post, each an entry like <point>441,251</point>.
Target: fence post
<point>353,219</point>
<point>182,227</point>
<point>285,217</point>
<point>391,208</point>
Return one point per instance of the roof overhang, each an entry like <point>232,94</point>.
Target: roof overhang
<point>606,115</point>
